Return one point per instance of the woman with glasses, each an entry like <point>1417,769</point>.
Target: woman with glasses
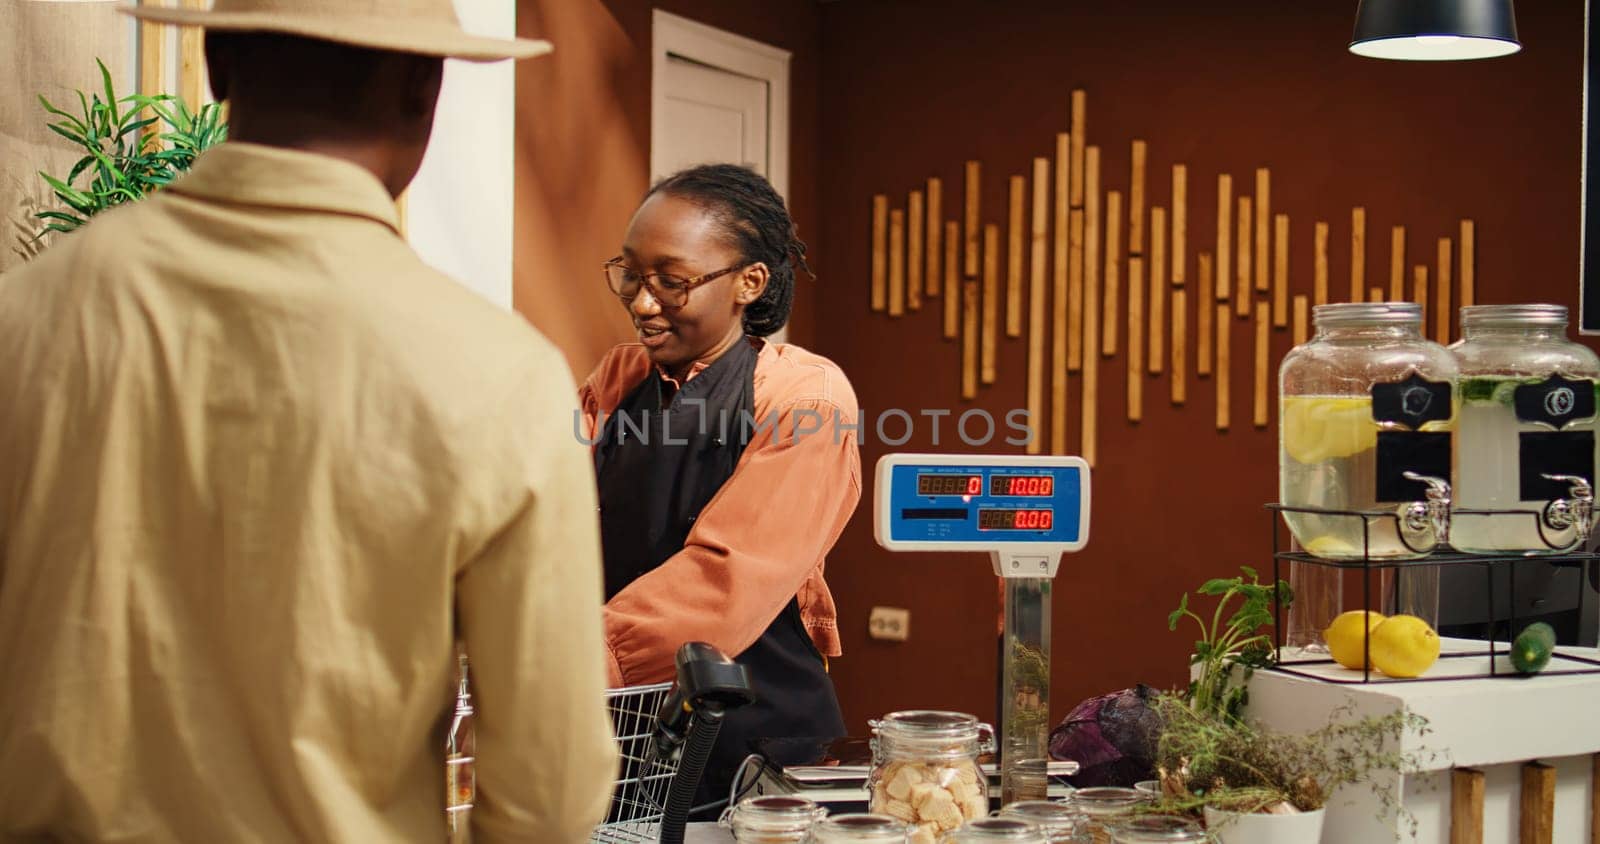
<point>727,464</point>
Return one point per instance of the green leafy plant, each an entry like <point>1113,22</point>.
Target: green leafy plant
<point>1235,644</point>
<point>123,161</point>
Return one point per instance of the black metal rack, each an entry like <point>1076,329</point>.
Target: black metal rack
<point>1495,567</point>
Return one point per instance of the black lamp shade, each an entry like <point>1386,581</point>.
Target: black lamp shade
<point>1435,30</point>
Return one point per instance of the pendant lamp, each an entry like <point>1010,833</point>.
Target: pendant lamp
<point>1435,30</point>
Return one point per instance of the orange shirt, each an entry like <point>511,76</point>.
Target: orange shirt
<point>763,538</point>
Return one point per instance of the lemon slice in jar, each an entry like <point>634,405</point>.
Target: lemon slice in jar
<point>1318,428</point>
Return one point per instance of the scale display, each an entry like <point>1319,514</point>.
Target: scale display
<point>970,502</point>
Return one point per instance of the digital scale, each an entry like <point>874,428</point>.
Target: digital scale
<point>1025,511</point>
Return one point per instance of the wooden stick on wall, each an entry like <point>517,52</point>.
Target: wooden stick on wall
<point>897,262</point>
<point>1180,223</point>
<point>969,339</point>
<point>1224,235</point>
<point>1203,318</point>
<point>1280,271</point>
<point>880,252</point>
<point>1319,278</point>
<point>1536,818</point>
<point>1263,213</point>
<point>991,299</point>
<point>1135,339</point>
<point>935,229</point>
<point>1302,308</point>
<point>1108,319</point>
<point>152,63</point>
<point>1136,201</point>
<point>914,222</point>
<point>952,284</point>
<point>1444,316</point>
<point>1469,296</point>
<point>1375,294</point>
<point>1091,303</point>
<point>192,61</point>
<point>1262,338</point>
<point>1223,367</point>
<point>1158,289</point>
<point>1075,290</point>
<point>1036,324</point>
<point>973,197</point>
<point>1397,264</point>
<point>1058,303</point>
<point>1242,302</point>
<point>1358,253</point>
<point>1420,293</point>
<point>1014,259</point>
<point>1466,806</point>
<point>1079,137</point>
<point>1180,339</point>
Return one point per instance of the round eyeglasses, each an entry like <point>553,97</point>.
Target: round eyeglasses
<point>670,291</point>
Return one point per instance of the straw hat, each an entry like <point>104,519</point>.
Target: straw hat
<point>423,27</point>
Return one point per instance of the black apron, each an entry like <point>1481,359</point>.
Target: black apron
<point>658,464</point>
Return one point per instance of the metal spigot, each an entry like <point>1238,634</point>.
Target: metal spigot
<point>1432,513</point>
<point>1575,511</point>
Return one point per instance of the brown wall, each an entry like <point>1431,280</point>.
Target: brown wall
<point>911,90</point>
<point>583,152</point>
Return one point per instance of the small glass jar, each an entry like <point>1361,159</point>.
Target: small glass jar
<point>1362,404</point>
<point>988,830</point>
<point>860,828</point>
<point>925,770</point>
<point>1105,805</point>
<point>1061,822</point>
<point>1157,829</point>
<point>773,819</point>
<point>1527,414</point>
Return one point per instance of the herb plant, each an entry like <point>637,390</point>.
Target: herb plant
<point>1236,641</point>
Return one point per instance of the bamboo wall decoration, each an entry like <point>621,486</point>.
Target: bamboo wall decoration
<point>1242,302</point>
<point>991,299</point>
<point>1180,224</point>
<point>1280,271</point>
<point>152,63</point>
<point>1263,212</point>
<point>1469,292</point>
<point>1375,294</point>
<point>192,61</point>
<point>1079,119</point>
<point>1109,318</point>
<point>1058,303</point>
<point>1358,253</point>
<point>973,198</point>
<point>1014,259</point>
<point>1089,402</point>
<point>1319,279</point>
<point>914,222</point>
<point>1202,366</point>
<point>1302,306</point>
<point>1180,331</point>
<point>1075,290</point>
<point>1397,264</point>
<point>935,229</point>
<point>1036,299</point>
<point>952,284</point>
<point>969,339</point>
<point>897,262</point>
<point>1442,317</point>
<point>1158,289</point>
<point>1136,200</point>
<point>1262,338</point>
<point>1224,373</point>
<point>1420,294</point>
<point>880,252</point>
<point>1135,339</point>
<point>1224,235</point>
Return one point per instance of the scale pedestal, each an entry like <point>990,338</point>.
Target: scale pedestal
<point>1025,512</point>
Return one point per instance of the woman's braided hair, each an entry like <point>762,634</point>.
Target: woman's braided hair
<point>753,215</point>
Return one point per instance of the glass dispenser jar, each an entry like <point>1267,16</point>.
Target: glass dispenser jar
<point>772,819</point>
<point>925,770</point>
<point>1062,823</point>
<point>860,828</point>
<point>1525,440</point>
<point>989,830</point>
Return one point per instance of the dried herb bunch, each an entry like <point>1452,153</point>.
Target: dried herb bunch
<point>1236,641</point>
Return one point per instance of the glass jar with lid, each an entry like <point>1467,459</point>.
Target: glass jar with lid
<point>772,819</point>
<point>1157,829</point>
<point>1061,822</point>
<point>987,830</point>
<point>1526,434</point>
<point>925,769</point>
<point>860,828</point>
<point>1104,806</point>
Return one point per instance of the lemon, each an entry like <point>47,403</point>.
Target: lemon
<point>1318,428</point>
<point>1404,646</point>
<point>1346,636</point>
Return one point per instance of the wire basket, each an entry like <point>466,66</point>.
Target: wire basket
<point>639,795</point>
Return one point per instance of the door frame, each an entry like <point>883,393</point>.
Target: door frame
<point>673,35</point>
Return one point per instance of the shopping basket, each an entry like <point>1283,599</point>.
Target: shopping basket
<point>665,733</point>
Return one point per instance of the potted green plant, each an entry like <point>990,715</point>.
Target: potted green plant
<point>1231,647</point>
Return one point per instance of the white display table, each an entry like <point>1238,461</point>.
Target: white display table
<point>1493,725</point>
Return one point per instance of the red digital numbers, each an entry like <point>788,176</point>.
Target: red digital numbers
<point>974,485</point>
<point>1040,486</point>
<point>1015,519</point>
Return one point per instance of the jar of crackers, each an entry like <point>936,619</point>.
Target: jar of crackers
<point>925,771</point>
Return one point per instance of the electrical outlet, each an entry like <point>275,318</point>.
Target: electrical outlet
<point>889,623</point>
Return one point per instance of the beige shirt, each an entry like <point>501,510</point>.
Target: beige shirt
<point>258,466</point>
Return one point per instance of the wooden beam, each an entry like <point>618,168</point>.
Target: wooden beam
<point>1420,294</point>
<point>1014,227</point>
<point>1203,313</point>
<point>1263,214</point>
<point>1058,303</point>
<point>1242,302</point>
<point>1224,235</point>
<point>1109,318</point>
<point>1302,308</point>
<point>969,339</point>
<point>152,63</point>
<point>952,284</point>
<point>1280,271</point>
<point>1262,350</point>
<point>1469,280</point>
<point>1536,820</point>
<point>935,230</point>
<point>897,262</point>
<point>1136,201</point>
<point>1466,806</point>
<point>1079,136</point>
<point>880,252</point>
<point>1180,224</point>
<point>991,300</point>
<point>1319,276</point>
<point>1088,427</point>
<point>1158,289</point>
<point>1445,316</point>
<point>1075,290</point>
<point>1180,340</point>
<point>1135,339</point>
<point>1397,264</point>
<point>192,61</point>
<point>1358,253</point>
<point>914,220</point>
<point>1223,325</point>
<point>1036,302</point>
<point>973,199</point>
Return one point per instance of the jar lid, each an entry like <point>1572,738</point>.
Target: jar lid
<point>1157,828</point>
<point>1047,814</point>
<point>773,813</point>
<point>927,723</point>
<point>1106,800</point>
<point>1514,315</point>
<point>998,829</point>
<point>861,826</point>
<point>1367,313</point>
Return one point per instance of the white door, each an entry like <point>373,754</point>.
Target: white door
<point>711,115</point>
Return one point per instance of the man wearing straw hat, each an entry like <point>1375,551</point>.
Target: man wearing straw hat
<point>260,468</point>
